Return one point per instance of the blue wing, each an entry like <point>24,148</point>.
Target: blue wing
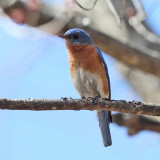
<point>104,117</point>
<point>106,69</point>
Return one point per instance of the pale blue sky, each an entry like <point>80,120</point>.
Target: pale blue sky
<point>152,8</point>
<point>35,65</point>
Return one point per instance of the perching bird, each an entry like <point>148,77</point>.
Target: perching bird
<point>89,74</point>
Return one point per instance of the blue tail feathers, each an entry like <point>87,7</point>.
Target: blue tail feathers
<point>104,120</point>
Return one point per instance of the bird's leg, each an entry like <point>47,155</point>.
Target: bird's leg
<point>64,98</point>
<point>109,112</point>
<point>106,99</point>
<point>82,97</point>
<point>89,98</point>
<point>72,99</point>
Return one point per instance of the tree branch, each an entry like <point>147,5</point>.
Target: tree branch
<point>135,123</point>
<point>81,104</point>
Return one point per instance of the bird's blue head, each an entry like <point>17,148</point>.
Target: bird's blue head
<point>77,36</point>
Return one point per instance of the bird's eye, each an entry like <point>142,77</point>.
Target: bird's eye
<point>69,37</point>
<point>75,36</point>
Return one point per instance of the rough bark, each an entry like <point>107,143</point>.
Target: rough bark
<point>81,104</point>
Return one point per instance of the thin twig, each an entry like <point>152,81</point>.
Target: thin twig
<point>137,23</point>
<point>113,11</point>
<point>122,12</point>
<point>87,9</point>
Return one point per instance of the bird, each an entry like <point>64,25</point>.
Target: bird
<point>89,74</point>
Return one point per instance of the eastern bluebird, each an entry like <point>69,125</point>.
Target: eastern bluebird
<point>89,74</point>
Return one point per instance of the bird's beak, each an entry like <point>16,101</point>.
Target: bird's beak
<point>62,36</point>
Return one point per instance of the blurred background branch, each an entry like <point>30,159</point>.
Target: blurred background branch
<point>135,124</point>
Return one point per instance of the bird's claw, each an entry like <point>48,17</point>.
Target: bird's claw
<point>106,99</point>
<point>89,98</point>
<point>82,97</point>
<point>95,99</point>
<point>72,99</point>
<point>64,98</point>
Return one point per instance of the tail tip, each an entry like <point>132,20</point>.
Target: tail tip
<point>107,145</point>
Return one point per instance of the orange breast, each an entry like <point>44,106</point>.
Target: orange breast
<point>87,58</point>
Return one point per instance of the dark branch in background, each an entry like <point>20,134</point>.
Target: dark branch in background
<point>81,104</point>
<point>135,124</point>
<point>87,9</point>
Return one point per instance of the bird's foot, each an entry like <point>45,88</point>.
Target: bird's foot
<point>72,99</point>
<point>95,99</point>
<point>89,98</point>
<point>82,97</point>
<point>64,98</point>
<point>106,99</point>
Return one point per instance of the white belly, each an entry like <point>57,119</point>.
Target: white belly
<point>87,84</point>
